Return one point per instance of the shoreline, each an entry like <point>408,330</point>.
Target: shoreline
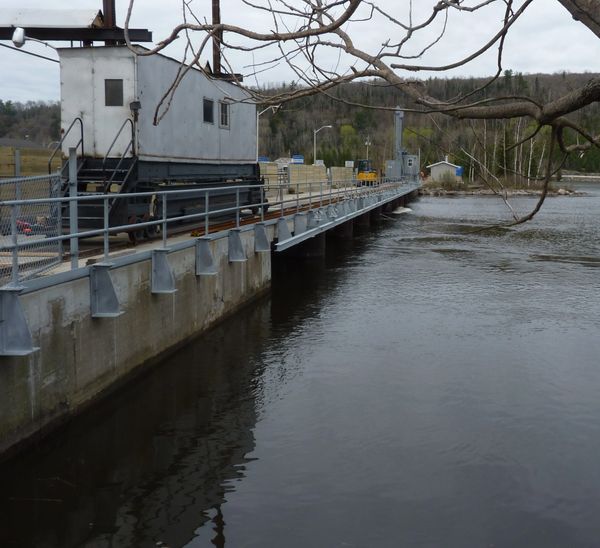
<point>509,193</point>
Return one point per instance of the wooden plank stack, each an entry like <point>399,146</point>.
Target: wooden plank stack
<point>341,176</point>
<point>306,178</point>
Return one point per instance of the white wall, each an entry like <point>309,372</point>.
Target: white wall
<point>182,134</point>
<point>442,171</point>
<point>82,75</point>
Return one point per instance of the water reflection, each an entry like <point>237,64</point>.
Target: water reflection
<point>149,465</point>
<point>424,387</point>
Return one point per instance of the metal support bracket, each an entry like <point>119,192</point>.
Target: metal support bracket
<point>103,298</point>
<point>163,281</point>
<point>283,231</point>
<point>300,223</point>
<point>205,264</point>
<point>331,213</point>
<point>236,249</point>
<point>314,218</point>
<point>15,337</point>
<point>261,239</point>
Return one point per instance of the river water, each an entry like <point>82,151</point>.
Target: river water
<point>430,385</point>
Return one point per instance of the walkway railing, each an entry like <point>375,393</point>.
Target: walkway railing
<point>31,228</point>
<point>59,145</point>
<point>129,148</point>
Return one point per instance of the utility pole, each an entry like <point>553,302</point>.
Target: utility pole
<point>108,10</point>
<point>110,18</point>
<point>217,37</point>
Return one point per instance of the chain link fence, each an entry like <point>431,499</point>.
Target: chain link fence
<point>25,226</point>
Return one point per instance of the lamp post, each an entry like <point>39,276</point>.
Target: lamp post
<point>315,131</point>
<point>274,108</point>
<point>368,144</point>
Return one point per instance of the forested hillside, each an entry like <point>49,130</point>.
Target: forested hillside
<point>491,142</point>
<point>290,130</point>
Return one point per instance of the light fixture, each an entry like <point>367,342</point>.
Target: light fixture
<point>18,37</point>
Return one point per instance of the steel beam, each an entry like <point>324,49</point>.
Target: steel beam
<point>79,35</point>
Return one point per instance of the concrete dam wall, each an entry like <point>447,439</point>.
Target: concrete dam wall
<point>82,357</point>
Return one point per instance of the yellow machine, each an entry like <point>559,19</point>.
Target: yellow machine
<point>365,172</point>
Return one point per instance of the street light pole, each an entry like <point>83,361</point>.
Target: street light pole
<point>19,38</point>
<point>315,131</point>
<point>274,108</point>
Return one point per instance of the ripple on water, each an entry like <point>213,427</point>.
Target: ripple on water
<point>593,262</point>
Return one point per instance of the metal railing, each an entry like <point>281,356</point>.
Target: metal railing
<point>15,245</point>
<point>130,147</point>
<point>60,143</point>
<point>29,228</point>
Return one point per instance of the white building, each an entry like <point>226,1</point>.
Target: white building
<point>207,121</point>
<point>445,171</point>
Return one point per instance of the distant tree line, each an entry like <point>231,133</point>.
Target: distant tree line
<point>35,121</point>
<point>483,146</point>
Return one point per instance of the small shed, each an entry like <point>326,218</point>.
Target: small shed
<point>445,171</point>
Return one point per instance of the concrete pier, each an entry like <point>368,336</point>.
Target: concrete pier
<point>310,249</point>
<point>344,231</point>
<point>375,215</point>
<point>363,221</point>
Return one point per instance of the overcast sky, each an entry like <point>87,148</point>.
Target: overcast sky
<point>546,39</point>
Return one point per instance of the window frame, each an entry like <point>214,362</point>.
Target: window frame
<point>113,94</point>
<point>205,101</point>
<point>227,106</point>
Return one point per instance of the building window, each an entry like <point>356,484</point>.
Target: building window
<point>209,111</point>
<point>224,114</point>
<point>113,93</point>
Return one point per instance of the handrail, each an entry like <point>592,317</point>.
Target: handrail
<point>60,143</point>
<point>129,146</point>
<point>325,197</point>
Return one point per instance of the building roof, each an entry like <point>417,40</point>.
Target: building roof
<point>50,18</point>
<point>443,162</point>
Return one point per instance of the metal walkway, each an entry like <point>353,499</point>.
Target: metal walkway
<point>32,245</point>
